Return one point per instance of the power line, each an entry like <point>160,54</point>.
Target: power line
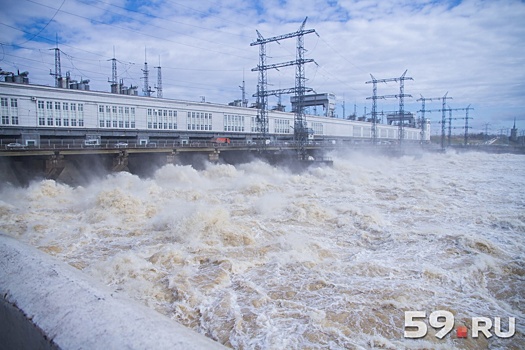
<point>141,33</point>
<point>159,27</point>
<point>52,18</point>
<point>342,56</point>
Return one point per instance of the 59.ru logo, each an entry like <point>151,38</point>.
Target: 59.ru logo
<point>415,326</point>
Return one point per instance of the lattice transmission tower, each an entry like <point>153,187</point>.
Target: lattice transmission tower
<point>423,111</point>
<point>466,127</point>
<point>300,125</point>
<point>443,111</point>
<point>401,96</point>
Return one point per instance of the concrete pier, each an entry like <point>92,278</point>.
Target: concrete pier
<point>47,304</point>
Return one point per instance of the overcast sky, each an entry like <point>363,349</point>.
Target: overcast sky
<point>472,49</point>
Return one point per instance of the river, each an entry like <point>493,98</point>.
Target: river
<point>257,257</point>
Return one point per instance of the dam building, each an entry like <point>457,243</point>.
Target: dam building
<point>35,115</point>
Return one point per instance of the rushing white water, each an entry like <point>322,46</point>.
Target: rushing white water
<point>259,258</point>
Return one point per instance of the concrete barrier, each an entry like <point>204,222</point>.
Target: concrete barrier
<point>47,304</point>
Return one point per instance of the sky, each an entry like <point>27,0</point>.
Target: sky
<point>471,50</point>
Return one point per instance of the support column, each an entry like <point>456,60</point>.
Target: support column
<point>173,158</point>
<point>54,166</point>
<point>120,161</point>
<point>214,156</point>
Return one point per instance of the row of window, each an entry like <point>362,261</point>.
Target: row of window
<point>256,126</point>
<point>165,119</point>
<point>116,117</point>
<point>53,113</point>
<point>317,128</point>
<point>282,126</point>
<point>199,121</point>
<point>233,122</point>
<point>71,114</point>
<point>9,111</point>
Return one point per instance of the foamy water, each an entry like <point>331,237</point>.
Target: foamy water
<point>259,258</point>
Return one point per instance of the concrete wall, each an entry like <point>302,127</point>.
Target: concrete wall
<point>47,304</point>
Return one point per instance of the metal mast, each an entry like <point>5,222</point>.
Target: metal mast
<point>374,98</point>
<point>466,124</point>
<point>159,81</point>
<point>58,68</point>
<point>443,111</point>
<point>401,97</point>
<point>449,135</point>
<point>262,97</point>
<point>114,77</point>
<point>423,110</point>
<point>344,105</point>
<point>443,121</point>
<point>244,101</point>
<point>146,89</point>
<point>300,127</point>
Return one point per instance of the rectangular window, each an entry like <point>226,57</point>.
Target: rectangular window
<point>65,113</point>
<point>14,111</point>
<point>5,110</point>
<point>233,122</point>
<point>132,117</point>
<point>101,116</point>
<point>121,117</point>
<point>155,118</point>
<point>114,116</point>
<point>73,114</point>
<point>126,117</point>
<point>317,128</point>
<point>80,110</point>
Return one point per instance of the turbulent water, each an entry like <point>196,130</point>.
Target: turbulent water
<point>256,257</point>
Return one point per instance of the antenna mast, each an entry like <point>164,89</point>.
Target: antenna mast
<point>244,101</point>
<point>146,89</point>
<point>114,77</point>
<point>159,81</point>
<point>58,68</point>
